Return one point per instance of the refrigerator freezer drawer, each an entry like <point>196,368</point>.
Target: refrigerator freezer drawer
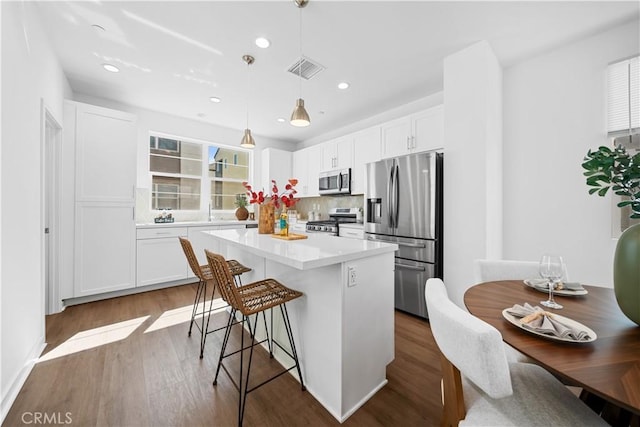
<point>420,249</point>
<point>410,279</point>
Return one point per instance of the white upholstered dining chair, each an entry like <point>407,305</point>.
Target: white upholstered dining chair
<point>481,388</point>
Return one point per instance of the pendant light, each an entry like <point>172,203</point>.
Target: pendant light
<point>300,117</point>
<point>247,139</point>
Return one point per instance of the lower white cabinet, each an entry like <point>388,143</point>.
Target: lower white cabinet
<point>353,233</point>
<point>160,257</point>
<point>104,249</point>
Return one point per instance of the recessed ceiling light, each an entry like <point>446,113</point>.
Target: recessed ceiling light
<point>281,119</point>
<point>201,115</point>
<point>263,42</point>
<point>111,68</point>
<point>343,85</point>
<point>214,99</point>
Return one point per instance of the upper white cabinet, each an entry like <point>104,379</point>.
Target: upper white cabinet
<point>307,164</point>
<point>418,132</point>
<point>428,130</point>
<point>366,149</point>
<point>105,142</point>
<point>276,165</point>
<point>337,153</point>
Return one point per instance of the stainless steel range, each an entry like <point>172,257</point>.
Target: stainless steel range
<point>331,225</point>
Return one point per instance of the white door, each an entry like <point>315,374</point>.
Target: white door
<point>51,145</point>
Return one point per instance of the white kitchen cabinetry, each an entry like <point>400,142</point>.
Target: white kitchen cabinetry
<point>355,232</point>
<point>105,248</point>
<point>276,165</point>
<point>418,132</point>
<point>306,168</point>
<point>428,130</point>
<point>366,149</point>
<point>160,257</point>
<point>337,153</point>
<point>105,147</point>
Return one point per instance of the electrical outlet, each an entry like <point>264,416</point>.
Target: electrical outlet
<point>352,276</point>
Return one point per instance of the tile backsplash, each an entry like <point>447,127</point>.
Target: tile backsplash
<point>325,203</point>
<point>144,213</point>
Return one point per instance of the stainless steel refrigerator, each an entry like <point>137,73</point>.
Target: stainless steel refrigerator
<point>403,205</point>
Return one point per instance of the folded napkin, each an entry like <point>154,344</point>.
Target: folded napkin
<point>560,286</point>
<point>569,286</point>
<point>538,320</point>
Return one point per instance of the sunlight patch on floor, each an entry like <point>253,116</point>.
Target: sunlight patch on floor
<point>183,314</point>
<point>94,338</point>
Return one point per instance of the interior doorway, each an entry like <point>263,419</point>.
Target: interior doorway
<point>52,137</point>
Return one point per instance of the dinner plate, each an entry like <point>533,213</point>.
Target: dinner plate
<point>569,322</point>
<point>562,292</point>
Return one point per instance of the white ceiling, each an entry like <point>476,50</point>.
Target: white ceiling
<point>174,55</point>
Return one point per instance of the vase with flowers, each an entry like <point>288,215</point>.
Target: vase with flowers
<point>268,203</point>
<point>619,170</point>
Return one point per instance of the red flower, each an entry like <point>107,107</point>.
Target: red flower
<point>286,197</point>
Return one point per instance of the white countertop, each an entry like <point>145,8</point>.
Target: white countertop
<point>318,250</point>
<point>195,223</point>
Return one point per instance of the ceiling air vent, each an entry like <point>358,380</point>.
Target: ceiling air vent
<point>305,67</point>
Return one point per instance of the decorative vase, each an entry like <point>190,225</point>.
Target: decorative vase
<point>266,219</point>
<point>242,213</point>
<point>626,273</point>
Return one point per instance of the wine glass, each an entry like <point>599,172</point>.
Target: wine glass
<point>551,268</point>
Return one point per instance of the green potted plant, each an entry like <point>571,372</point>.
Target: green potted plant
<point>618,170</point>
<point>241,203</point>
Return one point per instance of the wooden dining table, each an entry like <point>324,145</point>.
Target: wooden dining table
<point>608,367</point>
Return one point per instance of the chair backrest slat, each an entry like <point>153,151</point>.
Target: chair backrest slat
<point>191,257</point>
<point>224,279</point>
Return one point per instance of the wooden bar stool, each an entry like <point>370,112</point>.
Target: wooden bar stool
<point>253,298</point>
<point>203,273</point>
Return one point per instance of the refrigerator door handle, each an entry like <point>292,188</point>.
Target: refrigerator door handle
<point>411,245</point>
<point>389,198</point>
<point>408,245</point>
<point>409,267</point>
<point>396,202</point>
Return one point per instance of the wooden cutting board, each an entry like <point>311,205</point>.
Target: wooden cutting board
<point>291,236</point>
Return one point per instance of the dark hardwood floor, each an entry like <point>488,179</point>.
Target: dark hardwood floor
<point>155,378</point>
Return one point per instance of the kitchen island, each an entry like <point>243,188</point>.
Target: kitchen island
<point>343,326</point>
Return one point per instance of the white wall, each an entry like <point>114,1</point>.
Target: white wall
<point>554,112</point>
<point>30,74</point>
<point>472,164</point>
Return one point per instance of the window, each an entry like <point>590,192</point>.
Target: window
<point>623,120</point>
<point>623,80</point>
<point>226,177</point>
<point>190,175</point>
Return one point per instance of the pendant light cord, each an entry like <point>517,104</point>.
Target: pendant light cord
<point>300,64</point>
<point>248,89</point>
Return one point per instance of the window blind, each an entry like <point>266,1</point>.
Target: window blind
<point>623,81</point>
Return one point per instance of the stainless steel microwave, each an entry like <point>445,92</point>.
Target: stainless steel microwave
<point>335,182</point>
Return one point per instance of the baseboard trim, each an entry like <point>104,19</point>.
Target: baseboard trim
<point>20,378</point>
<point>124,292</point>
